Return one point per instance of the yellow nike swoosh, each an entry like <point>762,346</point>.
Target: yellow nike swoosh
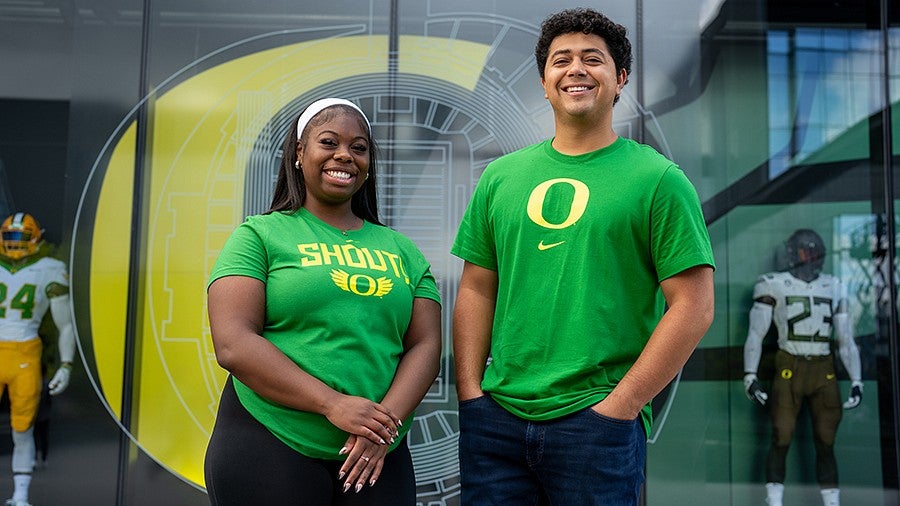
<point>542,246</point>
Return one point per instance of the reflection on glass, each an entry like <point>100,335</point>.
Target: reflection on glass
<point>823,85</point>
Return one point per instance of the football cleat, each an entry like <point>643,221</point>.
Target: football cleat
<point>21,236</point>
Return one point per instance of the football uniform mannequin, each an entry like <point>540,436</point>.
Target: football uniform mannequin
<point>30,284</point>
<point>807,308</point>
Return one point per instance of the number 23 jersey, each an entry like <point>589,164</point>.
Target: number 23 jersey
<point>803,310</point>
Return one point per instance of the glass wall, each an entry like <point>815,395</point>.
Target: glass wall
<point>780,113</point>
<point>141,133</point>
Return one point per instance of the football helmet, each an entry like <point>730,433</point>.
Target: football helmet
<point>21,236</point>
<point>806,248</point>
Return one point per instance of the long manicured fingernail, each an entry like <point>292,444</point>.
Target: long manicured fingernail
<point>341,475</point>
<point>392,440</point>
<point>400,423</point>
<point>346,487</point>
<point>343,451</point>
<point>372,483</point>
<point>358,487</point>
<point>382,441</point>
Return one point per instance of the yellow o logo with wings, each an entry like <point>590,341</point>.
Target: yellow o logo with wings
<point>377,288</point>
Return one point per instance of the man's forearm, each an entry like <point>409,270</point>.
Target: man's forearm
<point>690,297</point>
<point>473,320</point>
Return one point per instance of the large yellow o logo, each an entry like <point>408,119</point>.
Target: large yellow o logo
<point>576,211</point>
<point>195,195</point>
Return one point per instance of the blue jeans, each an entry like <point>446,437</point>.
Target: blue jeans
<point>580,459</point>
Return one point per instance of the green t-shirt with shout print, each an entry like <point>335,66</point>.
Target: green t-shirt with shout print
<point>337,303</point>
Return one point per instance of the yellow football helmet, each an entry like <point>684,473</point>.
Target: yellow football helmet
<point>21,236</point>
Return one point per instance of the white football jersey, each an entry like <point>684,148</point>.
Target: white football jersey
<point>24,296</point>
<point>803,311</point>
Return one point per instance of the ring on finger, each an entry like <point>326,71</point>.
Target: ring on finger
<point>365,458</point>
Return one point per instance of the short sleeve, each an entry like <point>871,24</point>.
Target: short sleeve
<point>679,237</point>
<point>427,287</point>
<point>475,239</point>
<point>763,288</point>
<point>243,254</point>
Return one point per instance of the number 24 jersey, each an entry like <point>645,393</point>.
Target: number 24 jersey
<point>25,294</point>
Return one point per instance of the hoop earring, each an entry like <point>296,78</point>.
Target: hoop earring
<point>297,164</point>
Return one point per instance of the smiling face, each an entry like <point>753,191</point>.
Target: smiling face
<point>580,78</point>
<point>334,158</point>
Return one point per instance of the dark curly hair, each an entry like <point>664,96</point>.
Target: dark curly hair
<point>587,21</point>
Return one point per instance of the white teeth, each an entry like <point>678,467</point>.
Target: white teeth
<point>578,88</point>
<point>338,174</point>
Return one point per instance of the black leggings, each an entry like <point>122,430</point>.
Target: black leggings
<point>246,464</point>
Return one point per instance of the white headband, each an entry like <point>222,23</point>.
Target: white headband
<point>320,105</point>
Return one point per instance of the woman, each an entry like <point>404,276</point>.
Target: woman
<point>329,325</point>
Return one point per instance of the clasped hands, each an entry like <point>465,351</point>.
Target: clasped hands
<point>372,429</point>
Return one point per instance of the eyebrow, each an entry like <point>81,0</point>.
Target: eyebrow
<point>333,132</point>
<point>570,51</point>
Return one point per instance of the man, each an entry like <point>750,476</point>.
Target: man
<point>30,283</point>
<point>573,247</point>
<point>805,306</point>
